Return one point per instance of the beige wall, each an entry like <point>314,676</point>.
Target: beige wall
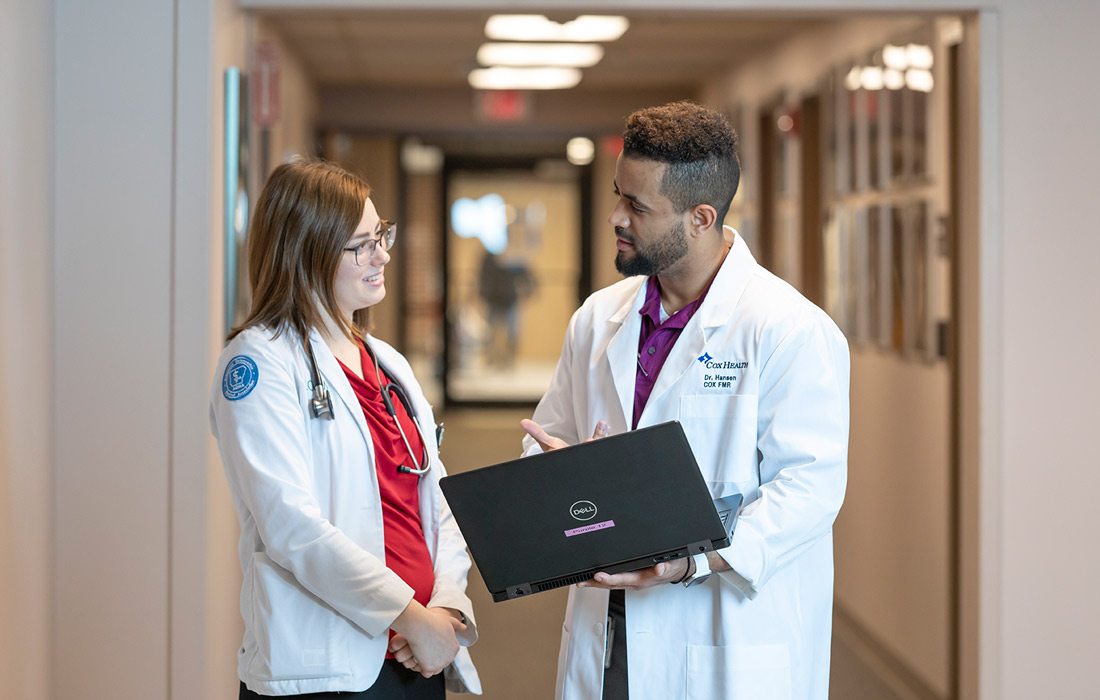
<point>112,324</point>
<point>892,545</point>
<point>1047,474</point>
<point>892,538</point>
<point>294,133</point>
<point>26,281</point>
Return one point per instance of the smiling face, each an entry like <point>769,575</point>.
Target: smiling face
<point>360,286</point>
<point>649,232</point>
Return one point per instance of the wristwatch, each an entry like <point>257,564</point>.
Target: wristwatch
<point>702,570</point>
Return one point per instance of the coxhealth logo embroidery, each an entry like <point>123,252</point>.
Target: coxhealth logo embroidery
<point>710,363</point>
<point>718,375</point>
<point>583,510</point>
<point>240,378</point>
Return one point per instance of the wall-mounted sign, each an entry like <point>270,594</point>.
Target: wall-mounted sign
<point>503,106</point>
<point>265,84</point>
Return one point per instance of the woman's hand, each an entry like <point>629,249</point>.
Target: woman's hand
<point>425,641</point>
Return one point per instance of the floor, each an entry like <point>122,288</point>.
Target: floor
<point>851,678</point>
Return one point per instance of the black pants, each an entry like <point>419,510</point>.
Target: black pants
<point>615,674</point>
<point>395,682</point>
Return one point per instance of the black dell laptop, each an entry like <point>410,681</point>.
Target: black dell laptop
<point>616,504</point>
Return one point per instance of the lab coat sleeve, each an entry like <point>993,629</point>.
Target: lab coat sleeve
<point>802,437</point>
<point>265,448</point>
<point>556,411</point>
<point>452,565</point>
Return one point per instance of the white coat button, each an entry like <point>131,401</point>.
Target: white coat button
<point>597,629</point>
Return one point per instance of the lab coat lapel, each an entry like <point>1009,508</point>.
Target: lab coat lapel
<point>688,347</point>
<point>339,388</point>
<point>622,350</point>
<point>715,312</point>
<point>729,284</point>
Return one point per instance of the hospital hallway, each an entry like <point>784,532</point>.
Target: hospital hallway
<point>921,172</point>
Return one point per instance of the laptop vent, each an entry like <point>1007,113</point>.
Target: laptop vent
<point>564,580</point>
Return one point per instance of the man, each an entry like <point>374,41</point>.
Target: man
<point>758,376</point>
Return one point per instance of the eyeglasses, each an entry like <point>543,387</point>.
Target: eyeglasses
<point>386,234</point>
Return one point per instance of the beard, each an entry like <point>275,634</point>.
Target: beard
<point>653,258</point>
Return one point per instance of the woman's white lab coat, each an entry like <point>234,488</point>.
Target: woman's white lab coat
<point>317,599</point>
<point>759,380</point>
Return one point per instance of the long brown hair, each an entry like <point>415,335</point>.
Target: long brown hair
<point>305,215</point>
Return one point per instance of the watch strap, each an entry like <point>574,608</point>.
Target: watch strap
<point>702,570</point>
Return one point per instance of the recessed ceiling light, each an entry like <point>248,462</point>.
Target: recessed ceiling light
<point>896,57</point>
<point>502,78</point>
<point>893,79</point>
<point>852,79</point>
<point>920,56</point>
<point>539,28</point>
<point>580,150</point>
<point>919,79</point>
<point>525,54</point>
<point>870,78</point>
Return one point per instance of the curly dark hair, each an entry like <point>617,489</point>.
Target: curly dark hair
<point>699,147</point>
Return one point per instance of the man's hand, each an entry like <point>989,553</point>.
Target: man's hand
<point>425,641</point>
<point>548,442</point>
<point>665,572</point>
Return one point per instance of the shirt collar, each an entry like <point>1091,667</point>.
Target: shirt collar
<point>651,307</point>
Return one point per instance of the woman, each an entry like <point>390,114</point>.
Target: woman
<point>354,570</point>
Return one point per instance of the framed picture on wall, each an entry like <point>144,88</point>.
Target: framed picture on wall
<point>880,267</point>
<point>860,252</point>
<point>875,320</point>
<point>921,257</point>
<point>827,90</point>
<point>842,131</point>
<point>235,199</point>
<point>898,278</point>
<point>850,274</point>
<point>912,270</point>
<point>831,268</point>
<point>909,83</point>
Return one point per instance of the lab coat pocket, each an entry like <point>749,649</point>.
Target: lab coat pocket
<point>759,672</point>
<point>296,634</point>
<point>722,433</point>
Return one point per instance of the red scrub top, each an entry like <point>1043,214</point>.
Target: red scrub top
<point>406,552</point>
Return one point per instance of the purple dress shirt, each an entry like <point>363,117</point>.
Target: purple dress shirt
<point>656,340</point>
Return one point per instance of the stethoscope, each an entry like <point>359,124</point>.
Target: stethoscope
<point>321,407</point>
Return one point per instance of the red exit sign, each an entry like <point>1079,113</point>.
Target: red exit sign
<point>503,105</point>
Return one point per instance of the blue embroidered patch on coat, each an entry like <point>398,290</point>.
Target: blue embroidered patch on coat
<point>240,378</point>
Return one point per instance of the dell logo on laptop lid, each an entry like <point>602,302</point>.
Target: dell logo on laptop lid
<point>583,510</point>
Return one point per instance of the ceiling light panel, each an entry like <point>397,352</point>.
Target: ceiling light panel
<point>505,78</point>
<point>538,28</point>
<point>522,54</point>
